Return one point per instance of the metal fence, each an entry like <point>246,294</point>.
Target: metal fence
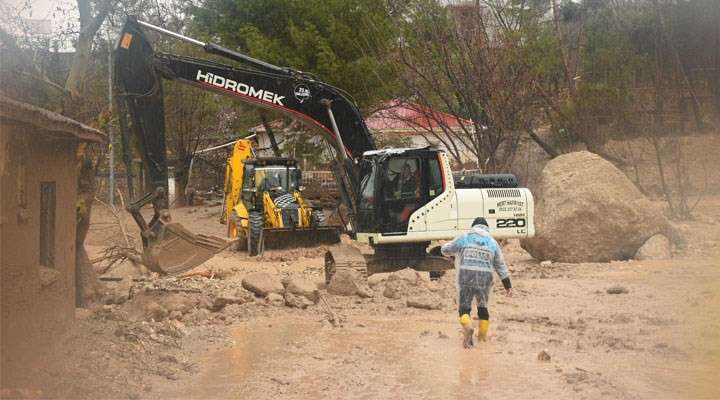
<point>324,178</point>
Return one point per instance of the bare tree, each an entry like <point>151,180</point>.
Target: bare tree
<point>191,116</point>
<point>92,17</point>
<point>463,59</point>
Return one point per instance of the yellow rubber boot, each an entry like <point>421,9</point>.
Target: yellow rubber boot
<point>483,329</point>
<point>466,324</point>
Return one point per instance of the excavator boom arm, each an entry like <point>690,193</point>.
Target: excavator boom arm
<point>139,71</point>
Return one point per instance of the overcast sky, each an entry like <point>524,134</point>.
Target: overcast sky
<point>42,9</point>
<point>59,13</point>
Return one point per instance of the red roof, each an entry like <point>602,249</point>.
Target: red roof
<point>397,115</point>
<point>394,116</point>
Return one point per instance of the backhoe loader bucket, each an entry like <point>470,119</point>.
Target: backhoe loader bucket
<point>174,249</point>
<point>287,238</point>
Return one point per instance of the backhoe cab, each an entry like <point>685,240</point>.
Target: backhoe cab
<point>264,207</point>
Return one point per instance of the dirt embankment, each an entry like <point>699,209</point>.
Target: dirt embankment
<point>698,163</point>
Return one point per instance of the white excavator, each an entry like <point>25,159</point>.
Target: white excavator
<point>398,201</point>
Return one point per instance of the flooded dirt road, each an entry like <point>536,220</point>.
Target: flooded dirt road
<point>299,359</point>
<point>656,337</point>
<point>646,344</point>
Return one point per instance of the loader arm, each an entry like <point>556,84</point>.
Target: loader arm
<point>139,71</point>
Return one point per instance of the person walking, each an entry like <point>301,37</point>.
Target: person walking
<point>476,254</point>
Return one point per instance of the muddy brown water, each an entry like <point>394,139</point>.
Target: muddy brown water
<point>373,358</point>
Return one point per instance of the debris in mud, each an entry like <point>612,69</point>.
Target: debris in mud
<point>544,355</point>
<point>427,302</point>
<point>348,283</point>
<point>83,313</point>
<point>302,287</point>
<point>617,290</point>
<point>296,301</point>
<point>168,358</point>
<point>157,305</point>
<point>275,299</point>
<point>223,300</point>
<point>393,290</point>
<point>262,284</point>
<point>118,292</point>
<point>280,381</point>
<point>376,279</point>
<point>408,283</point>
<point>408,275</point>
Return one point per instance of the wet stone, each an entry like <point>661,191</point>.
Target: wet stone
<point>617,290</point>
<point>544,355</point>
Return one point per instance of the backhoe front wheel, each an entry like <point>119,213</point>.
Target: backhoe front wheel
<point>255,226</point>
<point>318,218</point>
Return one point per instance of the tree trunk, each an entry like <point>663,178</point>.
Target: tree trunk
<point>181,182</point>
<point>695,103</point>
<point>89,26</point>
<point>75,81</point>
<point>88,287</point>
<point>271,134</point>
<point>543,144</point>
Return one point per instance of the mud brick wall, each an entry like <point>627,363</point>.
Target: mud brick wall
<point>37,303</point>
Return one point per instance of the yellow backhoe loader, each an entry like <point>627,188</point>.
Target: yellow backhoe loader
<point>263,205</point>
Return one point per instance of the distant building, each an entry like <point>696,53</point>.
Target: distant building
<point>418,126</point>
<point>38,193</point>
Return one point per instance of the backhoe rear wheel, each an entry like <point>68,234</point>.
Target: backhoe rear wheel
<point>255,226</point>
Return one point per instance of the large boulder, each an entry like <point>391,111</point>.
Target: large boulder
<point>589,211</point>
<point>655,248</point>
<point>262,284</point>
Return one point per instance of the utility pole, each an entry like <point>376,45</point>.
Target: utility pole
<point>111,137</point>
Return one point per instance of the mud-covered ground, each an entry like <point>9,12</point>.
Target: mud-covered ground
<point>206,337</point>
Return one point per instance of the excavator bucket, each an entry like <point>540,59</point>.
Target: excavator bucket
<point>175,249</point>
<point>287,238</point>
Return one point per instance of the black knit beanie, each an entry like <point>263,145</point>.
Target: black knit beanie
<point>479,221</point>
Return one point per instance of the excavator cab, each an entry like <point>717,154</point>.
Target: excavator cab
<point>394,185</point>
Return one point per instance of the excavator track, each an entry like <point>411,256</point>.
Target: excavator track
<point>344,257</point>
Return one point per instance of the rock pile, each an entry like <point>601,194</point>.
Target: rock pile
<point>292,291</point>
<point>415,287</point>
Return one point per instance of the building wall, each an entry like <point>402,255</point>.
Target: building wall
<point>32,314</point>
